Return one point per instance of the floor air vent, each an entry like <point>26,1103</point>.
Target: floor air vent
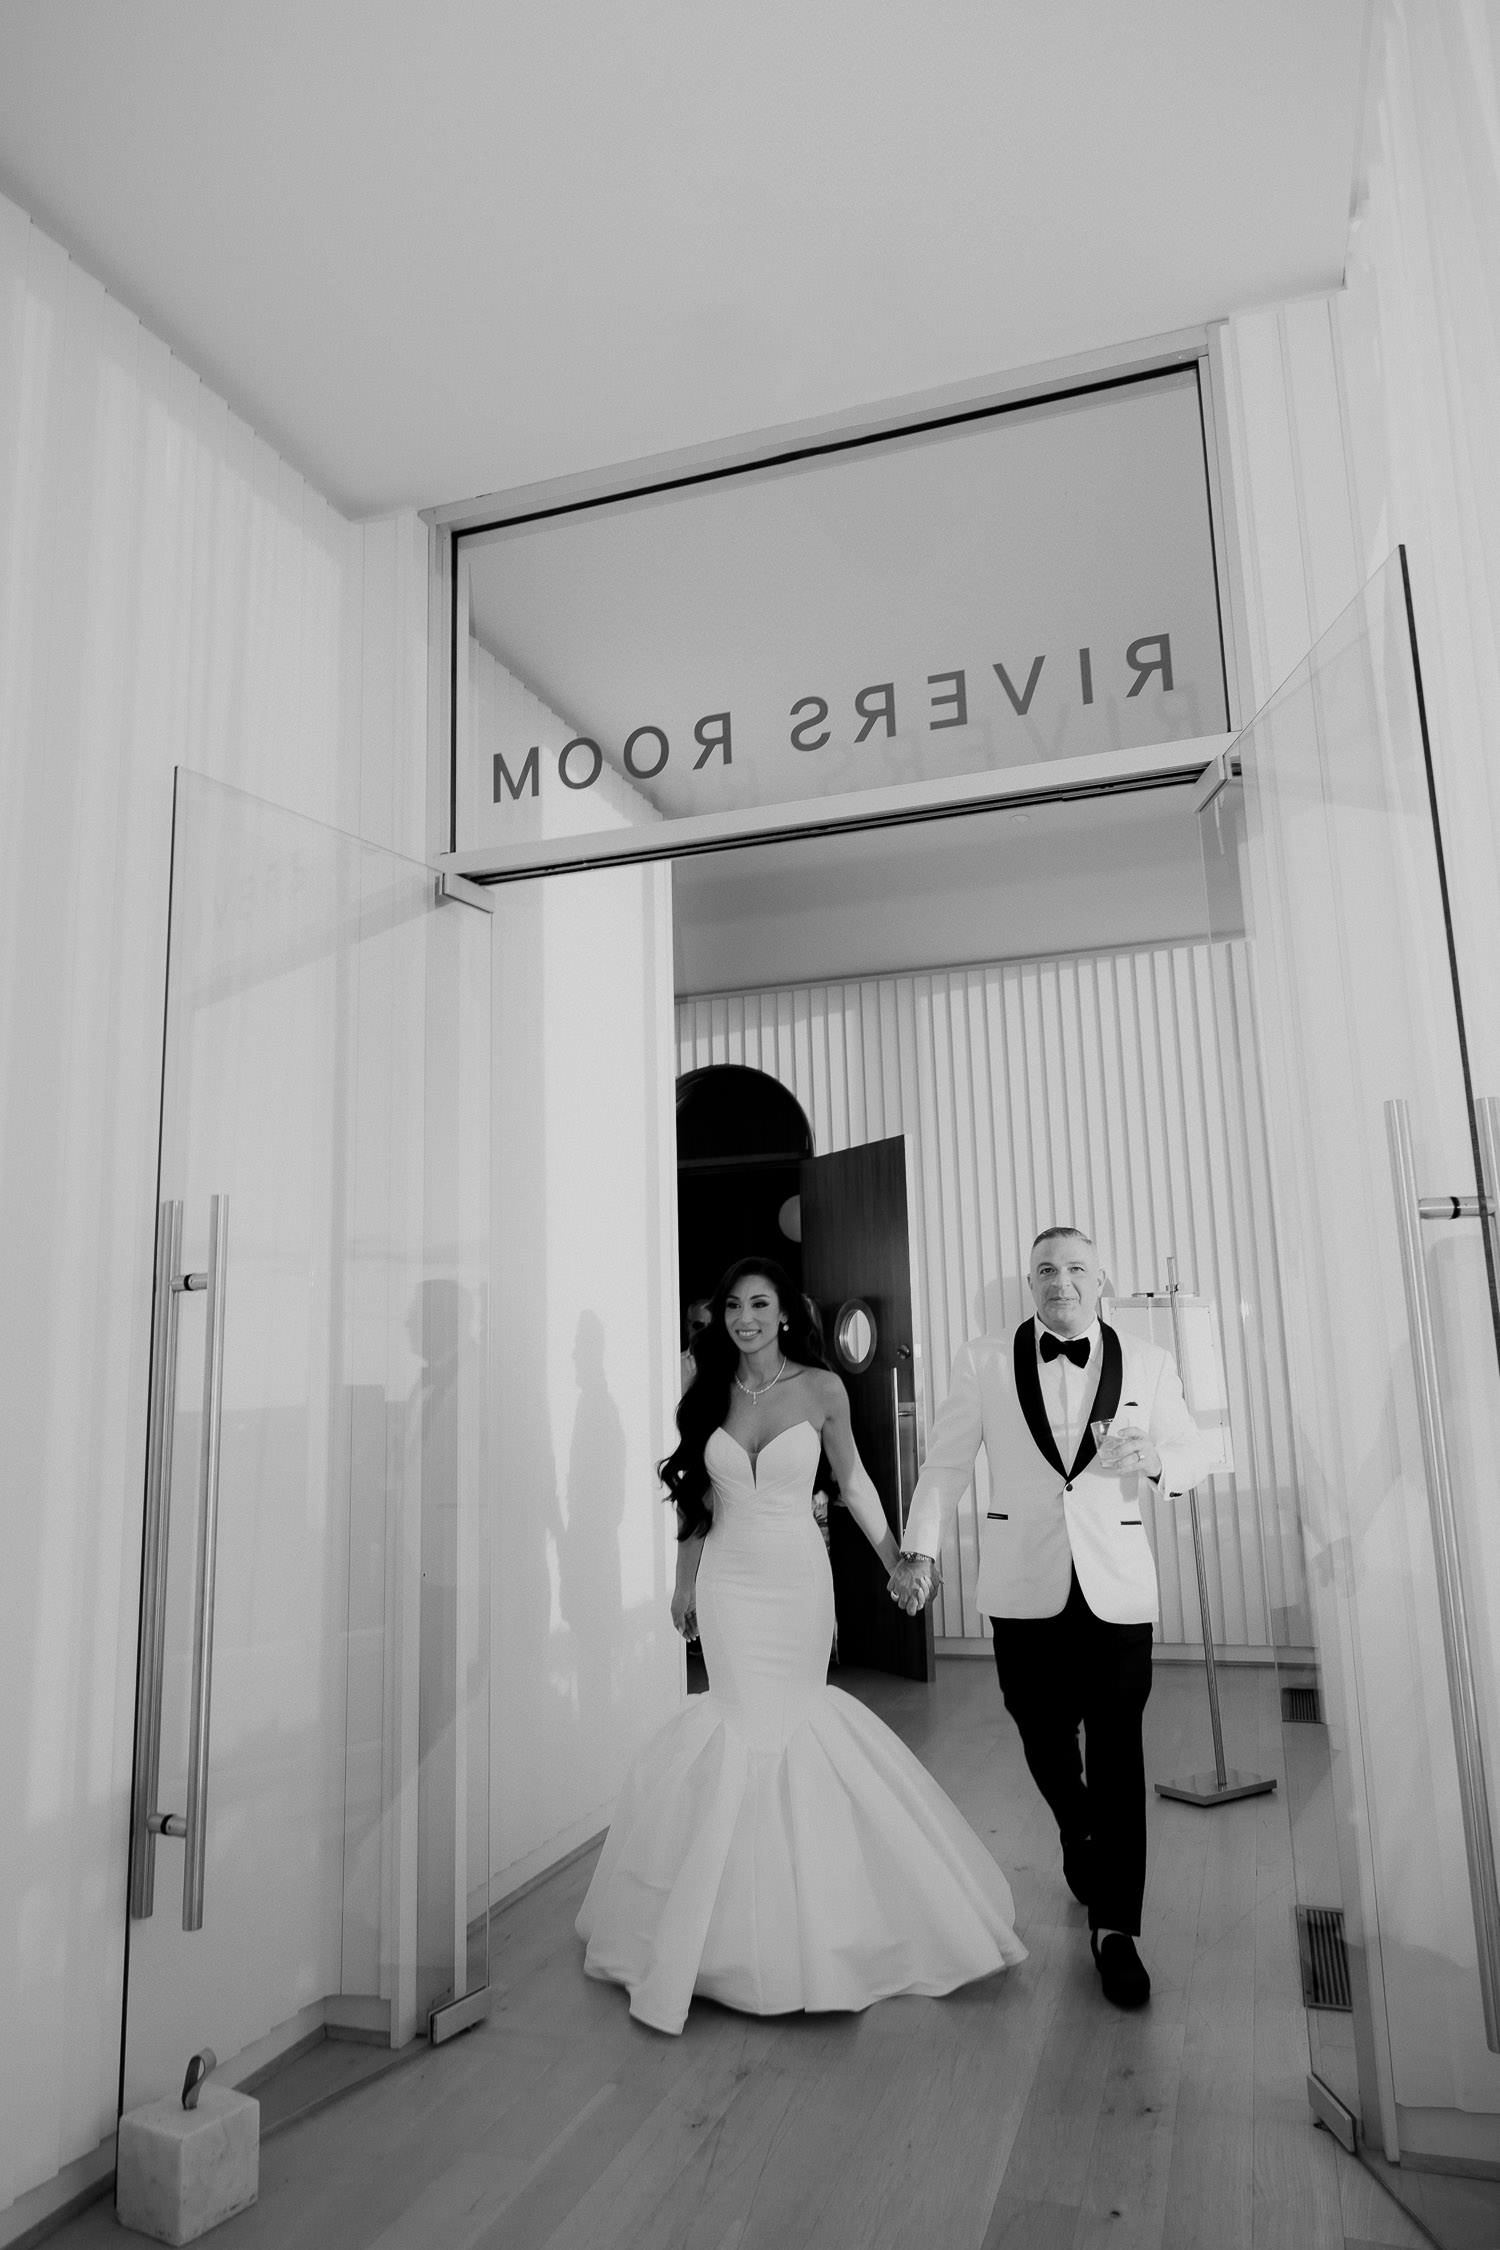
<point>1301,1706</point>
<point>1323,1958</point>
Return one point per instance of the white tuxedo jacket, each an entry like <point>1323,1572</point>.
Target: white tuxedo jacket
<point>1046,1517</point>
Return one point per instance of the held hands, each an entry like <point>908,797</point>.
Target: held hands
<point>913,1583</point>
<point>1127,1450</point>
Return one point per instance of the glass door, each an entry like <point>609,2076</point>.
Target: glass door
<point>310,1826</point>
<point>1322,845</point>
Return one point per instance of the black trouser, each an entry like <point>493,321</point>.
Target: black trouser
<point>1058,1674</point>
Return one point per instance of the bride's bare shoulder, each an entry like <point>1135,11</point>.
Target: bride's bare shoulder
<point>825,1389</point>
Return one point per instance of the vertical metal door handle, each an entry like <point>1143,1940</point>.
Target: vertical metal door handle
<point>161,1412</point>
<point>896,1441</point>
<point>903,1417</point>
<point>208,1544</point>
<point>1487,1123</point>
<point>1463,1700</point>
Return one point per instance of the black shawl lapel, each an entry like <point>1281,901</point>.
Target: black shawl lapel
<point>1029,1392</point>
<point>1106,1397</point>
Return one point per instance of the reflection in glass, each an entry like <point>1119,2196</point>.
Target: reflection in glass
<point>854,1335</point>
<point>326,1069</point>
<point>1328,847</point>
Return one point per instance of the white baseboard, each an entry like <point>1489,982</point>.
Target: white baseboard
<point>523,1873</point>
<point>87,2179</point>
<point>253,2063</point>
<point>358,2016</point>
<point>34,2215</point>
<point>1466,2143</point>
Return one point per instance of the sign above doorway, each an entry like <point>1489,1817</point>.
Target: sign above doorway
<point>1004,590</point>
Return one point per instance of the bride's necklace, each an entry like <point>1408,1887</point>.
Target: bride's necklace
<point>754,1395</point>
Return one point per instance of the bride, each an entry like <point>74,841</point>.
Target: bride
<point>775,1846</point>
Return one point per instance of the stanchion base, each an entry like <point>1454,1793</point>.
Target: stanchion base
<point>1207,1789</point>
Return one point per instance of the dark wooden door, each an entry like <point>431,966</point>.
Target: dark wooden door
<point>855,1249</point>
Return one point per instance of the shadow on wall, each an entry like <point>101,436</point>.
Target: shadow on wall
<point>445,1412</point>
<point>586,1535</point>
<point>574,1665</point>
<point>440,1328</point>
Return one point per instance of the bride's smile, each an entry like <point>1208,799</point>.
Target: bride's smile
<point>754,1319</point>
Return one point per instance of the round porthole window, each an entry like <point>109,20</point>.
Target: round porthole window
<point>854,1335</point>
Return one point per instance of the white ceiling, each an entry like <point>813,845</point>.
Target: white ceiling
<point>432,248</point>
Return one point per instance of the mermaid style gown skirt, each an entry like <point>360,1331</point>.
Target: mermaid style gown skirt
<point>775,1846</point>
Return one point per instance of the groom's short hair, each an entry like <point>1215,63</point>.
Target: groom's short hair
<point>1062,1234</point>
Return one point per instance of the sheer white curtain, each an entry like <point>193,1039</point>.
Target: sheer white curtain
<point>1420,341</point>
<point>170,592</point>
<point>1367,419</point>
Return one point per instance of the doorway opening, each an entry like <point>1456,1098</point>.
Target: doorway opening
<point>1003,1062</point>
<point>1027,1000</point>
<point>838,1226</point>
<point>741,1139</point>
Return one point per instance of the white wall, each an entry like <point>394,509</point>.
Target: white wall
<point>169,592</point>
<point>1093,1090</point>
<point>996,886</point>
<point>499,715</point>
<point>585,1659</point>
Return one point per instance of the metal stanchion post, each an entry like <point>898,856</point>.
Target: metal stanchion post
<point>1224,1784</point>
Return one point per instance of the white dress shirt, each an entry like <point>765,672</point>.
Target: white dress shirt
<point>1068,1391</point>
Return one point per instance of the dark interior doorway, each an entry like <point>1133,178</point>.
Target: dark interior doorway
<point>745,1176</point>
<point>740,1138</point>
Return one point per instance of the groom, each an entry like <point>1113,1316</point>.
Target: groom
<point>1066,1575</point>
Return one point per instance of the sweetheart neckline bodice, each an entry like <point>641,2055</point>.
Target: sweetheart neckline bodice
<point>752,1460</point>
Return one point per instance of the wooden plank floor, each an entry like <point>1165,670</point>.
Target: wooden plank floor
<point>1022,2112</point>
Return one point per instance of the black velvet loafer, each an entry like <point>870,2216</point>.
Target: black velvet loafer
<point>1121,1969</point>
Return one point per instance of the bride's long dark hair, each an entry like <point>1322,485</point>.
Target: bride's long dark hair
<point>705,1402</point>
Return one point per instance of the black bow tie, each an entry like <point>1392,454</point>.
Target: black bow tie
<point>1075,1348</point>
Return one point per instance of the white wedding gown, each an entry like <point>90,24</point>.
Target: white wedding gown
<point>775,1846</point>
